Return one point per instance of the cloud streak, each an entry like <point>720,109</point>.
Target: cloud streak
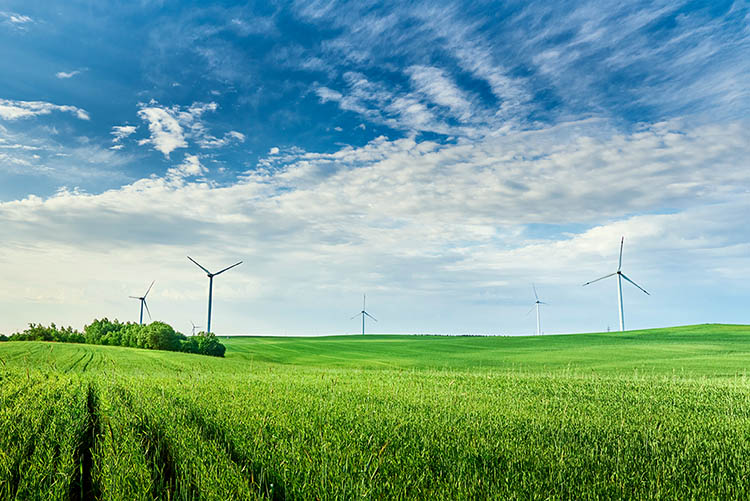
<point>67,74</point>
<point>15,110</point>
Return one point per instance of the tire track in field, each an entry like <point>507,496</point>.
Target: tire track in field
<point>86,366</point>
<point>76,363</point>
<point>83,486</point>
<point>269,485</point>
<point>157,452</point>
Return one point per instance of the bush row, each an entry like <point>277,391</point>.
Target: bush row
<point>154,336</point>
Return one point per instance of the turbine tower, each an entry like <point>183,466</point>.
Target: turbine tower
<point>363,313</point>
<point>211,286</point>
<point>142,299</point>
<point>620,276</point>
<point>538,316</point>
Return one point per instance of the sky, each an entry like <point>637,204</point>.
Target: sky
<point>440,157</point>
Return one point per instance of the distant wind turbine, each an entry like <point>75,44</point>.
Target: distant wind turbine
<point>194,327</point>
<point>211,286</point>
<point>143,303</point>
<point>538,317</point>
<point>620,276</point>
<point>363,313</point>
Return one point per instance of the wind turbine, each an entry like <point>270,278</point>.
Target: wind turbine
<point>363,313</point>
<point>538,317</point>
<point>211,286</point>
<point>143,303</point>
<point>194,327</point>
<point>620,276</point>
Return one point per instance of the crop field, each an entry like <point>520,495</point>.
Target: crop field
<point>661,414</point>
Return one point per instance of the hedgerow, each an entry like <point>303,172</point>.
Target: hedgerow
<point>154,336</point>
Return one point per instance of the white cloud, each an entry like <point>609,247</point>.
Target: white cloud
<point>405,218</point>
<point>273,151</point>
<point>15,19</point>
<point>435,84</point>
<point>121,132</point>
<point>410,111</point>
<point>67,74</point>
<point>172,127</point>
<point>14,110</point>
<point>191,166</point>
<point>166,132</point>
<point>208,141</point>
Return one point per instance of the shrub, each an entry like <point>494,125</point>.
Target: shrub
<point>208,344</point>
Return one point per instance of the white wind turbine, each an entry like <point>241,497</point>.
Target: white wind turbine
<point>211,286</point>
<point>194,327</point>
<point>538,316</point>
<point>363,313</point>
<point>142,299</point>
<point>620,276</point>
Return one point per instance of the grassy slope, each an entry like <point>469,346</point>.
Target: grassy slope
<point>699,350</point>
<point>689,351</point>
<point>554,417</point>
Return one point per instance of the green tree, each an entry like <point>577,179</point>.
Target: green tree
<point>208,344</point>
<point>161,336</point>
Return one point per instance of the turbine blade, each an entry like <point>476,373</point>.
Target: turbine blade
<point>146,305</point>
<point>355,316</point>
<point>227,268</point>
<point>532,309</point>
<point>198,265</point>
<point>364,300</point>
<point>370,316</point>
<point>149,288</point>
<point>535,294</point>
<point>626,278</point>
<point>134,297</point>
<point>619,264</point>
<point>602,278</point>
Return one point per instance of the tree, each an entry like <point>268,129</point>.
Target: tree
<point>189,345</point>
<point>161,336</point>
<point>208,344</point>
<point>97,331</point>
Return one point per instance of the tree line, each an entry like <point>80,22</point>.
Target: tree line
<point>154,336</point>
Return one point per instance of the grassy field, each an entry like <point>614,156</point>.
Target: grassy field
<point>660,414</point>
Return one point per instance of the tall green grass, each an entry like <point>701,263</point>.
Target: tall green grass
<point>645,415</point>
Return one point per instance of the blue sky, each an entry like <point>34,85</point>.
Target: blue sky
<point>439,156</point>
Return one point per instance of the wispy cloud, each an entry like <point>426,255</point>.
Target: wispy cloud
<point>67,74</point>
<point>435,85</point>
<point>15,19</point>
<point>172,127</point>
<point>121,132</point>
<point>209,141</point>
<point>191,166</point>
<point>14,110</point>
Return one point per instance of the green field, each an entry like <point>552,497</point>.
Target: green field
<point>660,414</point>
